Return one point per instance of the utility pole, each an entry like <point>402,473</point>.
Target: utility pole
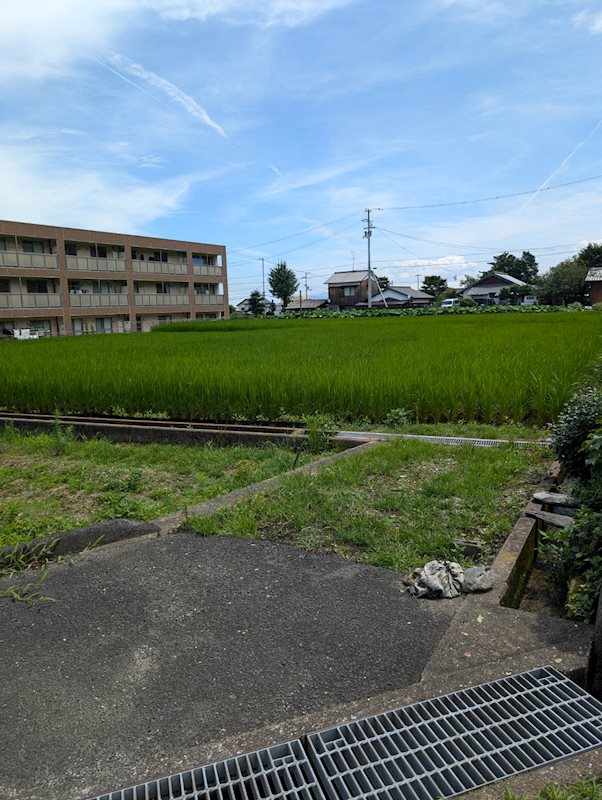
<point>353,259</point>
<point>306,286</point>
<point>418,281</point>
<point>368,236</point>
<point>262,279</point>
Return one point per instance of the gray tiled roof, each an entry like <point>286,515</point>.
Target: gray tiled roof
<point>354,276</point>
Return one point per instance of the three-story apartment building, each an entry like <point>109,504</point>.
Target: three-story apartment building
<point>69,281</point>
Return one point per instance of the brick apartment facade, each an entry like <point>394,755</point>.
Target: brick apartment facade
<point>63,281</point>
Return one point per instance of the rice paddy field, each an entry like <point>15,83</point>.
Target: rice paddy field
<point>481,368</point>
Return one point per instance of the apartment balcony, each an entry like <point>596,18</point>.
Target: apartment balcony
<point>11,258</point>
<point>91,264</point>
<point>15,301</point>
<point>160,267</point>
<point>209,299</point>
<point>110,300</point>
<point>162,300</point>
<point>205,269</point>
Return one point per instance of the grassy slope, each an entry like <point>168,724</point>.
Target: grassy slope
<point>50,486</point>
<point>395,506</point>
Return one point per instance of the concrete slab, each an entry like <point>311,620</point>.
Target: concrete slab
<point>153,649</point>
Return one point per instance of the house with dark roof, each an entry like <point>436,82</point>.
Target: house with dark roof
<point>347,289</point>
<point>400,297</point>
<point>306,304</point>
<point>594,278</point>
<point>487,290</point>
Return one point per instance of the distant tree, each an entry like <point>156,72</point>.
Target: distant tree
<point>469,280</point>
<point>434,285</point>
<point>591,256</point>
<point>256,303</point>
<point>565,283</point>
<point>523,268</point>
<point>283,282</point>
<point>383,282</point>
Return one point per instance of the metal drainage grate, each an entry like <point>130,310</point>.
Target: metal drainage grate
<point>282,771</point>
<point>452,744</point>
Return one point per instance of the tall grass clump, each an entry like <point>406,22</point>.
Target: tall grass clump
<point>486,368</point>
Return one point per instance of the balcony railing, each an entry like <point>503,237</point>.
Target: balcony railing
<point>205,269</point>
<point>90,264</point>
<point>162,300</point>
<point>209,299</point>
<point>109,300</point>
<point>160,267</point>
<point>11,258</point>
<point>30,300</point>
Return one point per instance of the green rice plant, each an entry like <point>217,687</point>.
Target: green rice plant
<point>485,368</point>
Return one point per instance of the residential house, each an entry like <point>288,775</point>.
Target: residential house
<point>400,297</point>
<point>487,291</point>
<point>306,304</point>
<point>594,278</point>
<point>347,289</point>
<point>63,281</point>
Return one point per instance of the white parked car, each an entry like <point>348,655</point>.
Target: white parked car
<point>529,300</point>
<point>450,302</point>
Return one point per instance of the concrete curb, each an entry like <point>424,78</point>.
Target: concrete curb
<point>75,541</point>
<point>172,522</point>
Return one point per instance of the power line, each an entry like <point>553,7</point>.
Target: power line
<point>292,235</point>
<point>495,197</point>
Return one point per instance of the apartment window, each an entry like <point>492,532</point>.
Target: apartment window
<point>136,256</point>
<point>32,247</point>
<point>78,327</point>
<point>75,287</point>
<point>203,260</point>
<point>41,326</point>
<point>349,291</point>
<point>98,251</point>
<point>164,318</point>
<point>100,287</point>
<point>202,288</point>
<point>37,287</point>
<point>2,244</point>
<point>4,285</point>
<point>104,325</point>
<point>70,249</point>
<point>139,324</point>
<point>163,288</point>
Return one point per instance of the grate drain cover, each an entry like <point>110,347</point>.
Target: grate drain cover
<point>458,742</point>
<point>280,771</point>
<point>433,749</point>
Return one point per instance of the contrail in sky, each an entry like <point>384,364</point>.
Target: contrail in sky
<point>170,89</point>
<point>562,164</point>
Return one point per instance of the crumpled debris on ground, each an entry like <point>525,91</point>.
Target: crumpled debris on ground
<point>447,579</point>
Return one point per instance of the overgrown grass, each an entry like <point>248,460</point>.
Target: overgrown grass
<point>51,485</point>
<point>584,789</point>
<point>396,505</point>
<point>480,368</point>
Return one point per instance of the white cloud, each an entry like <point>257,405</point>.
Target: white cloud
<point>92,199</point>
<point>302,179</point>
<point>44,38</point>
<point>188,103</point>
<point>590,20</point>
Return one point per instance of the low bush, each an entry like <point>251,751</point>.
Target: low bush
<point>581,417</point>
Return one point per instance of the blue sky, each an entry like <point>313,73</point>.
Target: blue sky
<point>269,127</point>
